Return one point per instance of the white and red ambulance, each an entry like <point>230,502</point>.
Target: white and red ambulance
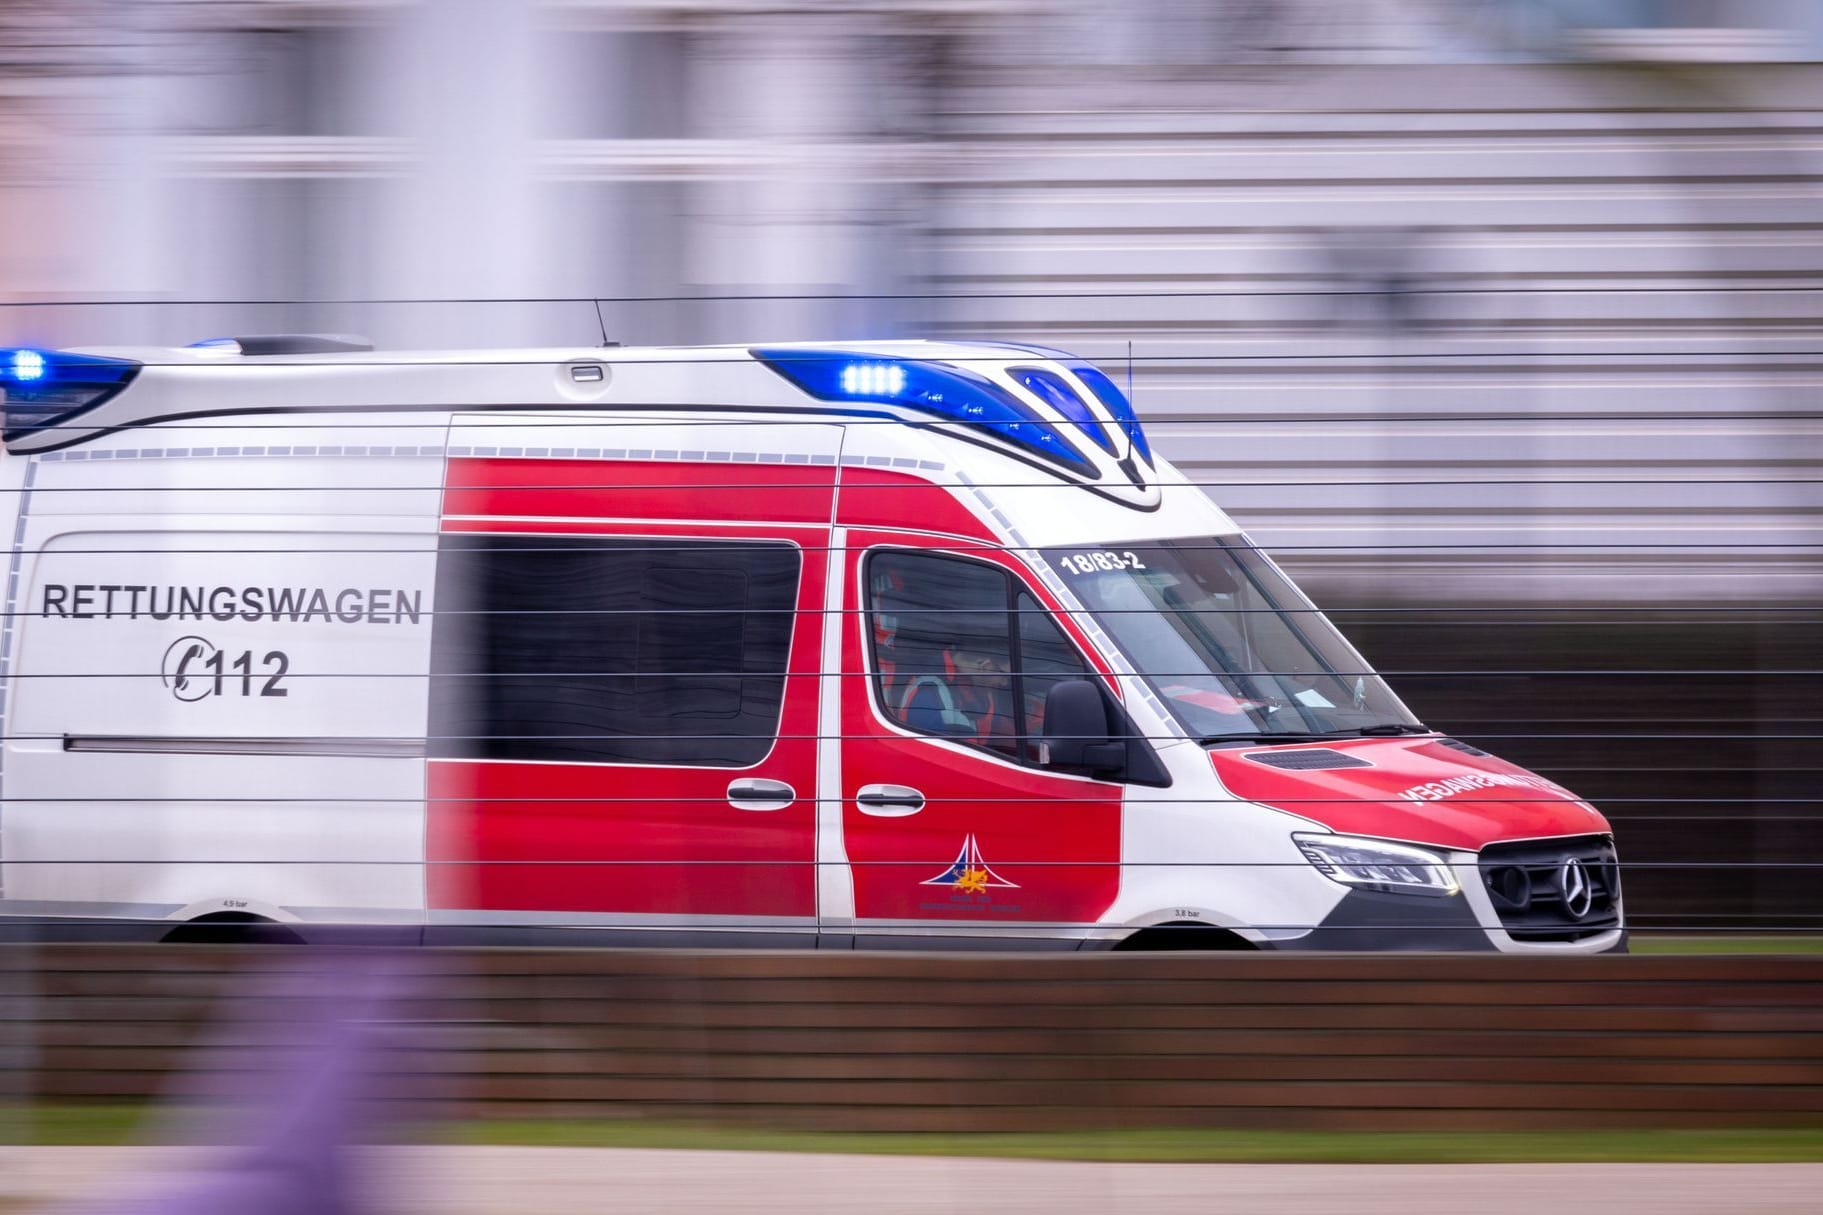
<point>864,645</point>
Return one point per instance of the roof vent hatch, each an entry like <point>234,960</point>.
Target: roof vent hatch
<point>286,343</point>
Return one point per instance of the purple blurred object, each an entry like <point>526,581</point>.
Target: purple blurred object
<point>315,1101</point>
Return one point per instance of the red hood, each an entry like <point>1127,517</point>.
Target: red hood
<point>1417,789</point>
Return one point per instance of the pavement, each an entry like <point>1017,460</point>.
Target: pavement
<point>598,1181</point>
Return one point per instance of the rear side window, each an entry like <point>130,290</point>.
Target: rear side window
<point>608,650</point>
<point>961,650</point>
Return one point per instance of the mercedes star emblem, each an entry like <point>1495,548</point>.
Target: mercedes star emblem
<point>1578,894</point>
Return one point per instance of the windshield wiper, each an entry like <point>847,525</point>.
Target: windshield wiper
<point>1263,737</point>
<point>1390,729</point>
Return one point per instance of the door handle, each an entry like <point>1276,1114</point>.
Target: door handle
<point>750,793</point>
<point>889,801</point>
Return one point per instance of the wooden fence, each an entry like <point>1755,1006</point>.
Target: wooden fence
<point>964,1042</point>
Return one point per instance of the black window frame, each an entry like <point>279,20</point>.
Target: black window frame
<point>466,714</point>
<point>1024,743</point>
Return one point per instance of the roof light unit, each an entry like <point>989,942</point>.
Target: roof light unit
<point>1117,405</point>
<point>1054,391</point>
<point>40,389</point>
<point>938,389</point>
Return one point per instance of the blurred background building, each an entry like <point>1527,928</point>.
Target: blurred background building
<point>1360,214</point>
<point>1497,319</point>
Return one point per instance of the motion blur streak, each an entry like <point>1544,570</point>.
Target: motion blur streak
<point>281,1094</point>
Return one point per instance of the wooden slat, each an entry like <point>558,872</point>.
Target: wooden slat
<point>964,1043</point>
<point>968,1070</point>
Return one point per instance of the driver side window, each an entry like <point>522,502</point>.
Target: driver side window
<point>961,650</point>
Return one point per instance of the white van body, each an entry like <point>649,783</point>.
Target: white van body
<point>708,644</point>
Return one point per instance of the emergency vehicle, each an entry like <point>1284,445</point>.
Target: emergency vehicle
<point>886,644</point>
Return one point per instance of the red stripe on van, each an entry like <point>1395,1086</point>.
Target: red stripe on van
<point>639,489</point>
<point>806,534</point>
<point>873,497</point>
<point>590,838</point>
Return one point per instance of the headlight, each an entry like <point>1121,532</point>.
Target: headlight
<point>1377,865</point>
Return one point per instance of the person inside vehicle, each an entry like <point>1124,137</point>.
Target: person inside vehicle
<point>984,691</point>
<point>971,700</point>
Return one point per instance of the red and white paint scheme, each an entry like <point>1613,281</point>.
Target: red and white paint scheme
<point>891,644</point>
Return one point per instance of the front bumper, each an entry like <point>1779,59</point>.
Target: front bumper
<point>1367,921</point>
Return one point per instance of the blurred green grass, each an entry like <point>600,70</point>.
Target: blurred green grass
<point>1189,1145</point>
<point>113,1124</point>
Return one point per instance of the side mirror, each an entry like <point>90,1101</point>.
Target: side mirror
<point>1076,731</point>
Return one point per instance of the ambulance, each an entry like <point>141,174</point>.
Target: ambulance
<point>855,645</point>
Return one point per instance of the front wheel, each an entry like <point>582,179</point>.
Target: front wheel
<point>1184,936</point>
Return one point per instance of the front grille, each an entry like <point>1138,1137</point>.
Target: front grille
<point>1306,761</point>
<point>1527,883</point>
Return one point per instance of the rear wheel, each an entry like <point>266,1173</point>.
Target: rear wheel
<point>232,928</point>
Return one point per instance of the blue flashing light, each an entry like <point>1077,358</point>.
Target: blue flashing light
<point>1056,392</point>
<point>946,392</point>
<point>27,365</point>
<point>883,380</point>
<point>1117,404</point>
<point>43,389</point>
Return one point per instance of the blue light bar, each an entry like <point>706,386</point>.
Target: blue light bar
<point>943,391</point>
<point>45,388</point>
<point>1056,392</point>
<point>1118,406</point>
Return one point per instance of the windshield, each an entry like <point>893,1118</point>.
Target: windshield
<point>1230,645</point>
